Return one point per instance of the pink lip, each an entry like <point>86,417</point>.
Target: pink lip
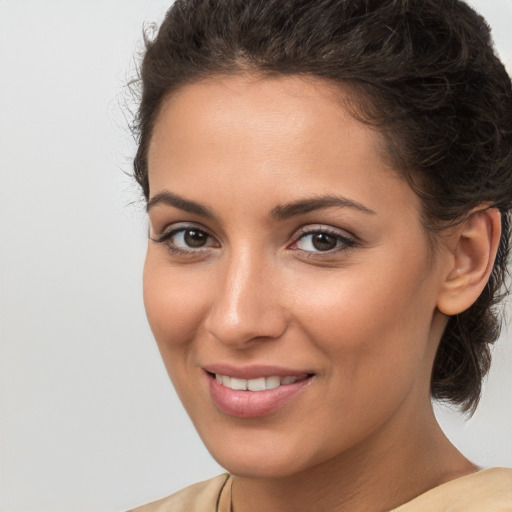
<point>253,404</point>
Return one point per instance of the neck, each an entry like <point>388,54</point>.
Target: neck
<point>402,461</point>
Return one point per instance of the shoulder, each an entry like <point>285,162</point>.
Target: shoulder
<point>200,497</point>
<point>489,490</point>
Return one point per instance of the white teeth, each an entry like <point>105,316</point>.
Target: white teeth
<point>258,384</point>
<point>272,382</point>
<point>240,384</point>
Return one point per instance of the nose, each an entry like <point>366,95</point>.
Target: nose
<point>246,306</point>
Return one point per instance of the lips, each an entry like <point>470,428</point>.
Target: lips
<point>255,391</point>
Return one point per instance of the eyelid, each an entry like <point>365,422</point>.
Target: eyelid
<point>164,237</point>
<point>323,228</point>
<point>175,227</point>
<point>348,240</point>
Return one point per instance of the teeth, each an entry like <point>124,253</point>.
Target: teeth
<point>256,384</point>
<point>259,384</point>
<point>240,384</point>
<point>272,382</point>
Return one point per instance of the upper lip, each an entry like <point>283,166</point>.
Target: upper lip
<point>254,371</point>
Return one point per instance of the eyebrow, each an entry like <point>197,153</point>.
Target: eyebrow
<point>283,212</point>
<point>280,212</point>
<point>170,199</point>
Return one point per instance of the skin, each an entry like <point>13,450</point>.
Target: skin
<point>365,317</point>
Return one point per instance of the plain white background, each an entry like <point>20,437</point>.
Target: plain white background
<point>89,421</point>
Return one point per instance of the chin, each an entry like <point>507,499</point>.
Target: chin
<point>260,468</point>
<point>263,460</point>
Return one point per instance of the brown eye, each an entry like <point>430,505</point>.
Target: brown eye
<point>195,238</point>
<point>187,239</point>
<point>323,241</point>
<point>320,240</point>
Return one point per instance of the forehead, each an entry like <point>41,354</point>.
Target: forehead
<point>256,107</point>
<point>282,137</point>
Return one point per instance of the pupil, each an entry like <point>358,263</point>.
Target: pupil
<point>324,242</point>
<point>195,238</point>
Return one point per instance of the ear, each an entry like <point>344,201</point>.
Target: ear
<point>473,250</point>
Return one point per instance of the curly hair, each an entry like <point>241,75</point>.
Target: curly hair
<point>422,72</point>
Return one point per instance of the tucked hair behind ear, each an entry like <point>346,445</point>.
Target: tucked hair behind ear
<point>422,72</point>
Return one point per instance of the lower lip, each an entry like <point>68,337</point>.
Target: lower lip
<point>253,404</point>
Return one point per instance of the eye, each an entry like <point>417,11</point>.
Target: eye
<point>186,239</point>
<point>322,240</point>
<point>190,238</point>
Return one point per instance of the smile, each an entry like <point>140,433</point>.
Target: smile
<point>257,384</point>
<point>255,396</point>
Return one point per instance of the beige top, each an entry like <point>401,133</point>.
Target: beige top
<point>489,490</point>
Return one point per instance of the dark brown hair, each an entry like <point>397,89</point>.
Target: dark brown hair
<point>424,74</point>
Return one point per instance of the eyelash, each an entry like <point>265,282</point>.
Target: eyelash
<point>166,239</point>
<point>344,242</point>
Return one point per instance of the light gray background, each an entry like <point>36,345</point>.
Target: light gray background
<point>88,419</point>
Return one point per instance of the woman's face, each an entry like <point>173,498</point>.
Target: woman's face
<point>285,256</point>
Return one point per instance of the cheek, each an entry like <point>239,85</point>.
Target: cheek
<point>370,321</point>
<point>173,303</point>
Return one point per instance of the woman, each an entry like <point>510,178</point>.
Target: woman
<point>329,185</point>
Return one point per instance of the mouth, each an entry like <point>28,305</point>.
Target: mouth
<point>255,396</point>
<point>258,383</point>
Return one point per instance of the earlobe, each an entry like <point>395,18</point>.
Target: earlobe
<point>472,258</point>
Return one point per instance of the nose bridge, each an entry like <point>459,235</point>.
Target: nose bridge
<point>246,305</point>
